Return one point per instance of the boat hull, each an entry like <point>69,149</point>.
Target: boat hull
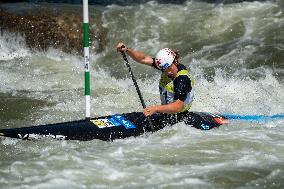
<point>118,126</point>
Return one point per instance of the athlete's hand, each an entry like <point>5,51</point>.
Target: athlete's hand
<point>121,47</point>
<point>148,111</point>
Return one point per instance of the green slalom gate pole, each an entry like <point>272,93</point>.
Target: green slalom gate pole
<point>86,58</point>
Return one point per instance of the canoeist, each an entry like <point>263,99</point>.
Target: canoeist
<point>176,83</point>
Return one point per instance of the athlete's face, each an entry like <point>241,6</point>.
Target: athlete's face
<point>171,71</point>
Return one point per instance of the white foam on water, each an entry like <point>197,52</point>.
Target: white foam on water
<point>57,183</point>
<point>12,45</point>
<point>256,159</point>
<point>193,182</point>
<point>9,141</point>
<point>40,73</point>
<point>240,96</point>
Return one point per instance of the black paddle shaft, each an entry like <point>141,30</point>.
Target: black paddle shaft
<point>137,87</point>
<point>133,79</point>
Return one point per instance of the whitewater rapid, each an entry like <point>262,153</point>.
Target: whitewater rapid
<point>235,53</point>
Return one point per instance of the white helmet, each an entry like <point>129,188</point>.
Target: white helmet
<point>164,58</point>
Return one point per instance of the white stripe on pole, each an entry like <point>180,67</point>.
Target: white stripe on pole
<point>88,106</point>
<point>85,11</point>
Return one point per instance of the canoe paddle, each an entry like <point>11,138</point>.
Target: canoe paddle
<point>136,86</point>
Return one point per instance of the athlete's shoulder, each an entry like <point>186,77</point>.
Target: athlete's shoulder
<point>183,76</point>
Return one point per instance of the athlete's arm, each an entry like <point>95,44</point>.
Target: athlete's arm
<point>182,86</point>
<point>135,55</point>
<point>171,108</point>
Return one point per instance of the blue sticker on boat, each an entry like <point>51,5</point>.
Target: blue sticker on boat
<point>205,127</point>
<point>116,123</point>
<point>127,124</point>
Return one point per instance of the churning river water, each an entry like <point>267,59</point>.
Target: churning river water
<point>235,51</point>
